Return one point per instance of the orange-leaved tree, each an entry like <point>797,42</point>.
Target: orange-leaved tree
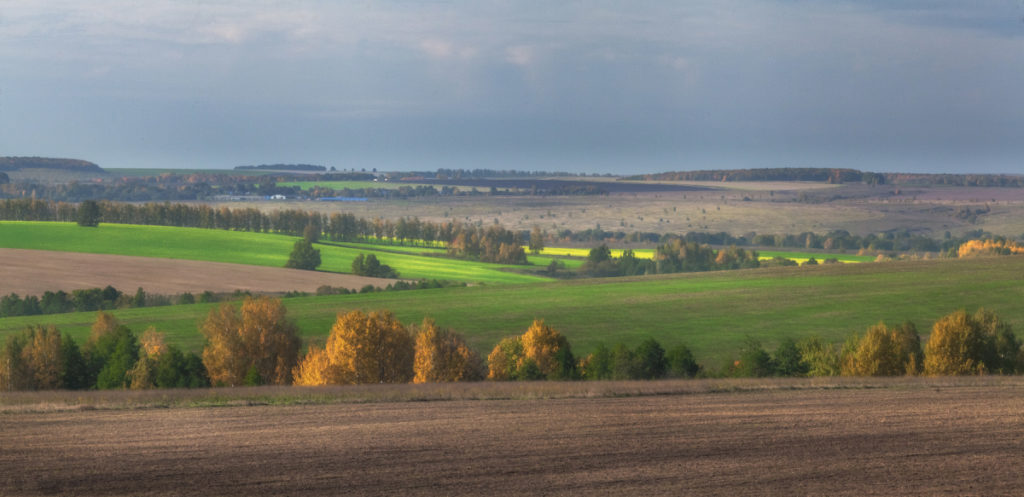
<point>259,345</point>
<point>373,348</point>
<point>442,355</point>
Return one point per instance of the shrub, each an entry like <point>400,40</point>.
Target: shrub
<point>681,363</point>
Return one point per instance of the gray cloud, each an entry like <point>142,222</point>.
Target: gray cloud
<point>558,85</point>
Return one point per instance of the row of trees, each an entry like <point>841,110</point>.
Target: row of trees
<point>489,244</point>
<point>676,256</point>
<point>257,343</point>
<point>960,344</point>
<point>42,358</point>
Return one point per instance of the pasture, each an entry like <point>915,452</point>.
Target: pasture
<point>712,312</point>
<point>708,437</point>
<point>238,247</point>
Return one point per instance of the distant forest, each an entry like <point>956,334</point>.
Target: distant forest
<point>16,163</point>
<point>836,176</point>
<point>285,167</point>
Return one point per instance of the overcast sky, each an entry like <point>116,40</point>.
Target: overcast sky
<point>621,87</point>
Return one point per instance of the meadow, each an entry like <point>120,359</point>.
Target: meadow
<point>712,313</point>
<point>643,253</point>
<point>258,249</point>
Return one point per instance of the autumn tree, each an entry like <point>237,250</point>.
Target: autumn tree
<point>504,361</point>
<point>260,343</point>
<point>549,350</point>
<point>442,356</point>
<point>541,352</point>
<point>164,366</point>
<point>964,344</point>
<point>884,351</point>
<point>39,358</point>
<point>361,348</point>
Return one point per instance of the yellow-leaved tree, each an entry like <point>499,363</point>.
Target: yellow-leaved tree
<point>258,345</point>
<point>35,359</point>
<point>541,352</point>
<point>964,344</point>
<point>442,355</point>
<point>361,348</point>
<point>884,351</point>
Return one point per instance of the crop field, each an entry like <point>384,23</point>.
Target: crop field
<point>258,249</point>
<point>32,272</point>
<point>642,253</point>
<point>887,437</point>
<point>769,208</point>
<point>340,185</point>
<point>712,313</point>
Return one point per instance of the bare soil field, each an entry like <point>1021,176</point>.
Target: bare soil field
<point>32,272</point>
<point>902,438</point>
<point>736,208</point>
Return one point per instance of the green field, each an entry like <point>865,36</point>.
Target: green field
<point>260,249</point>
<point>710,312</point>
<point>800,257</point>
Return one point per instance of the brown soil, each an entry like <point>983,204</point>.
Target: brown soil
<point>32,272</point>
<point>964,440</point>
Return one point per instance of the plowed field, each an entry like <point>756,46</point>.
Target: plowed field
<point>32,272</point>
<point>965,440</point>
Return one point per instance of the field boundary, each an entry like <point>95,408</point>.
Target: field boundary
<point>69,401</point>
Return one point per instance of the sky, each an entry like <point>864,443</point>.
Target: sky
<point>580,86</point>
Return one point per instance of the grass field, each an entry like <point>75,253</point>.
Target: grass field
<point>259,249</point>
<point>800,257</point>
<point>710,312</point>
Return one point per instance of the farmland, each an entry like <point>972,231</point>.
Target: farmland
<point>710,437</point>
<point>710,312</point>
<point>258,249</point>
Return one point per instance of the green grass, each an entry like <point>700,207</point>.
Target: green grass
<point>710,312</point>
<point>259,249</point>
<point>800,257</point>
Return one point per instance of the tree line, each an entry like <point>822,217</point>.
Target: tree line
<point>489,244</point>
<point>256,343</point>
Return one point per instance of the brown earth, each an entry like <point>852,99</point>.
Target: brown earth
<point>32,272</point>
<point>923,440</point>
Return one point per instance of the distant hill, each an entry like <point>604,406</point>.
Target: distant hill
<point>285,167</point>
<point>77,165</point>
